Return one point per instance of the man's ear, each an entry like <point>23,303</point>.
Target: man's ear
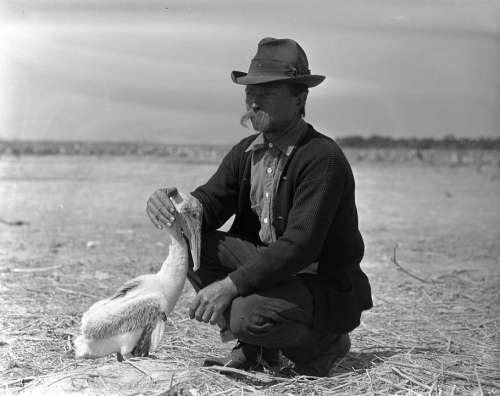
<point>301,99</point>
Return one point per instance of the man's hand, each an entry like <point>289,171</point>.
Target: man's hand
<point>160,210</point>
<point>211,302</point>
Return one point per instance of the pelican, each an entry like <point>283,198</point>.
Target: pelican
<point>132,321</point>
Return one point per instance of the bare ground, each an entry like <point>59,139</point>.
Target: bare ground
<point>74,229</point>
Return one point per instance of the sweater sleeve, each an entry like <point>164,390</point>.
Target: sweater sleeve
<point>315,204</point>
<point>219,195</point>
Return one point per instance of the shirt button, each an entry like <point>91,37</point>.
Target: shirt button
<point>266,220</point>
<point>267,194</point>
<point>269,170</point>
<point>270,145</point>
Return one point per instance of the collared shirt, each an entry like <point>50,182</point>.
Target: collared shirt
<point>270,154</point>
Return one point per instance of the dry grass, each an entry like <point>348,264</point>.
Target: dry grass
<point>437,337</point>
<point>433,330</point>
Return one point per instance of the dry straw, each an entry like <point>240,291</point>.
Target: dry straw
<point>424,337</point>
<point>433,331</point>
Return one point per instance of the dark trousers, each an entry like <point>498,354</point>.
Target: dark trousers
<point>277,317</point>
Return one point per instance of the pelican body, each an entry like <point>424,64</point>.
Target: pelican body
<point>133,319</point>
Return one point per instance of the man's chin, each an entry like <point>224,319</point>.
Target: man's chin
<point>260,128</point>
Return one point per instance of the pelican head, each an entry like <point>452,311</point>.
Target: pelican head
<point>189,221</point>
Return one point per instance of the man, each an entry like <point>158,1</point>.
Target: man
<point>286,277</point>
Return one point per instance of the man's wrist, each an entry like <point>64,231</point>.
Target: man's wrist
<point>231,287</point>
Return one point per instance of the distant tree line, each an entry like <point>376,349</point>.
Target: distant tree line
<point>213,152</point>
<point>25,147</point>
<point>448,142</point>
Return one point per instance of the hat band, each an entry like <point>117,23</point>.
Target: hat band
<point>275,67</point>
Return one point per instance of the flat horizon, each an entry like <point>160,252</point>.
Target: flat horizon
<point>344,137</point>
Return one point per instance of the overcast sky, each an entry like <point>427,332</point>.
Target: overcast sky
<point>160,70</point>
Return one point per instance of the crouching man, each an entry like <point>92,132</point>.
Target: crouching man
<point>286,277</point>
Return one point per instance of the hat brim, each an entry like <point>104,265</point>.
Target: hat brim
<point>242,78</point>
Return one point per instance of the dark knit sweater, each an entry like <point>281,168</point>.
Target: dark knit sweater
<point>315,218</point>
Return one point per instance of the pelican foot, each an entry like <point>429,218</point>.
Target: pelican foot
<point>119,357</point>
<point>144,343</point>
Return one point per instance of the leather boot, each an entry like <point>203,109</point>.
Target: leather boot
<point>243,356</point>
<point>324,364</point>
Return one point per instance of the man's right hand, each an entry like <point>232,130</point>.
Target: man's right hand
<point>159,208</point>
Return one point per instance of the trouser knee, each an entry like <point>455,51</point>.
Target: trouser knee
<point>247,321</point>
<point>266,322</point>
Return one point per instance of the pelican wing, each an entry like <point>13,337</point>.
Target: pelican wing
<point>123,316</point>
<point>125,288</point>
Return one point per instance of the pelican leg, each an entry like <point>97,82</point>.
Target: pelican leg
<point>119,357</point>
<point>144,344</point>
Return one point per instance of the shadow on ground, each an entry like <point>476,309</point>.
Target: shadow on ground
<point>364,360</point>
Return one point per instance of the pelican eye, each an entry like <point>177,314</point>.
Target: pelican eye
<point>192,213</point>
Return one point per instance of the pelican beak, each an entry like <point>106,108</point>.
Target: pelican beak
<point>191,212</point>
<point>193,235</point>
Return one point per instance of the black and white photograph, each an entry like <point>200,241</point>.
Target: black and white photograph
<point>215,197</point>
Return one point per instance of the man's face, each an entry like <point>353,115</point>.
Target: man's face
<point>277,101</point>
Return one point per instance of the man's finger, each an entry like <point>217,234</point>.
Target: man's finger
<point>200,311</point>
<point>161,197</point>
<point>207,314</point>
<point>162,213</point>
<point>194,306</point>
<point>166,211</point>
<point>154,219</point>
<point>157,218</point>
<point>163,200</point>
<point>215,317</point>
<point>161,206</point>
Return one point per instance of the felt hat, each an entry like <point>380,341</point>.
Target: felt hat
<point>278,60</point>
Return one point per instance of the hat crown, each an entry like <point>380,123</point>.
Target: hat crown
<point>281,60</point>
<point>280,55</point>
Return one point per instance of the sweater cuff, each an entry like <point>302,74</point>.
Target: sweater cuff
<point>241,282</point>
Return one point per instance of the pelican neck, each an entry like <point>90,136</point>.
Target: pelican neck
<point>177,260</point>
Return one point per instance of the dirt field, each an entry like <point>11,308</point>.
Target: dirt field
<point>433,330</point>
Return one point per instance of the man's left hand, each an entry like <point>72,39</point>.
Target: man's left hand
<point>211,301</point>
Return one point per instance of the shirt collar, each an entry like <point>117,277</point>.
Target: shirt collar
<point>285,140</point>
